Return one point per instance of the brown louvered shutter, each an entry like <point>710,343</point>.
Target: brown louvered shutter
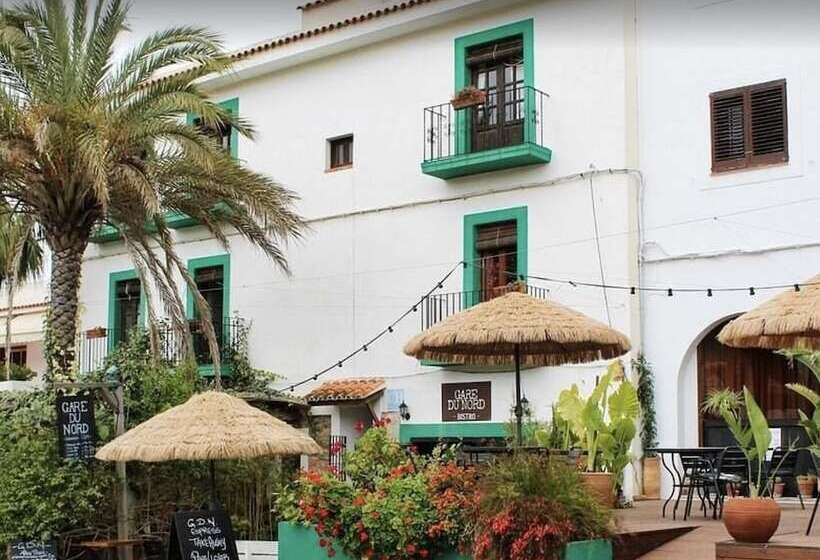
<point>728,131</point>
<point>749,126</point>
<point>769,132</point>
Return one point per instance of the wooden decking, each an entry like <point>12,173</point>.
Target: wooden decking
<point>699,544</point>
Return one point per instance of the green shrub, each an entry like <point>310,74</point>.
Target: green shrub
<point>42,494</point>
<point>375,455</point>
<point>531,507</point>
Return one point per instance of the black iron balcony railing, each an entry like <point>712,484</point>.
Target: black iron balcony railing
<point>437,307</point>
<point>96,344</point>
<point>511,116</point>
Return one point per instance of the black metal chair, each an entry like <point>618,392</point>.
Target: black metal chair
<point>696,469</point>
<point>731,477</point>
<point>785,468</point>
<point>816,462</point>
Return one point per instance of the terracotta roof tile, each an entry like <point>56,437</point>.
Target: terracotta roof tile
<point>306,34</point>
<point>314,4</point>
<point>343,390</point>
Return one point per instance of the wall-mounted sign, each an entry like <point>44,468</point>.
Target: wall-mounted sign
<point>30,550</point>
<point>202,535</point>
<point>75,426</point>
<point>466,402</point>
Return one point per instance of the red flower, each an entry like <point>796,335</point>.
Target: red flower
<point>363,537</point>
<point>410,548</point>
<point>331,552</point>
<point>322,543</point>
<point>359,426</point>
<point>424,553</point>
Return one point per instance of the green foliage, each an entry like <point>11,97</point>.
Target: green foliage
<point>21,373</point>
<point>42,494</point>
<point>375,455</point>
<point>605,424</point>
<point>748,425</point>
<point>811,424</point>
<point>531,506</point>
<point>646,397</point>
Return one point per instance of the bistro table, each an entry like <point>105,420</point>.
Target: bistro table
<point>681,463</point>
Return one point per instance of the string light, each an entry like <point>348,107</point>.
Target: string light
<point>669,291</point>
<point>389,329</point>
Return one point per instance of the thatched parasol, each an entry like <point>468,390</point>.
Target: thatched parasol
<point>209,426</point>
<point>520,329</point>
<point>789,320</point>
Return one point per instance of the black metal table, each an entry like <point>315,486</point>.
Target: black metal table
<point>676,461</point>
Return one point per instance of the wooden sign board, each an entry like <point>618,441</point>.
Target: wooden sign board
<point>76,428</point>
<point>466,402</point>
<point>31,550</point>
<point>202,535</point>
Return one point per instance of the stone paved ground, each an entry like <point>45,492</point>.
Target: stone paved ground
<point>700,543</point>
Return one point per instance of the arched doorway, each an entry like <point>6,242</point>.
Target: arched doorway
<point>765,374</point>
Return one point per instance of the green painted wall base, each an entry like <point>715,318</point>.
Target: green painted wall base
<point>297,542</point>
<point>488,160</point>
<point>452,430</point>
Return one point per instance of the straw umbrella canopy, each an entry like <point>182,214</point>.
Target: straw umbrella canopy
<point>518,328</point>
<point>789,320</point>
<point>209,426</point>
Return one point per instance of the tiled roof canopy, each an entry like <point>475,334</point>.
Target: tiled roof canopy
<point>314,4</point>
<point>345,390</point>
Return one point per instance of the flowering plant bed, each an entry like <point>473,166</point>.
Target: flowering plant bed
<point>426,508</point>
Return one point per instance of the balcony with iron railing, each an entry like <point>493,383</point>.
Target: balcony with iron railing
<point>505,129</point>
<point>437,307</point>
<point>97,344</point>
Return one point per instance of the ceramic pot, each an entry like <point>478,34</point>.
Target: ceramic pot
<point>806,486</point>
<point>600,486</point>
<point>752,520</point>
<point>651,478</point>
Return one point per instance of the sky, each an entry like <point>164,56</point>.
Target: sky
<point>240,22</point>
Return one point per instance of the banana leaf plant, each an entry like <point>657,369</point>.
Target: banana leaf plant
<point>811,424</point>
<point>748,424</point>
<point>604,424</point>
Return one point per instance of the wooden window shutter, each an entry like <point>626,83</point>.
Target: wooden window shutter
<point>728,131</point>
<point>749,126</point>
<point>769,132</point>
<point>502,235</point>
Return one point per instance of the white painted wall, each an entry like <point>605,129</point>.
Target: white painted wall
<point>688,49</point>
<point>353,276</point>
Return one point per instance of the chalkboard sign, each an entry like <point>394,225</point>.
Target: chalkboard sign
<point>28,550</point>
<point>76,428</point>
<point>202,535</point>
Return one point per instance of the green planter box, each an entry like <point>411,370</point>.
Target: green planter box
<point>297,542</point>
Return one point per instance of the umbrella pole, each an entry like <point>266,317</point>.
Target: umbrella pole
<point>519,413</point>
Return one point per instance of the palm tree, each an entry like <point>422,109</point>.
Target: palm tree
<point>87,140</point>
<point>21,258</point>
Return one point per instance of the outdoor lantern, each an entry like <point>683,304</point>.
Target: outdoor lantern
<point>525,405</point>
<point>404,411</point>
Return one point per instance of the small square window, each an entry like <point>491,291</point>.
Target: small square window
<point>341,152</point>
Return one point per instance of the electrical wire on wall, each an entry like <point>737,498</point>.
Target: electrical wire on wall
<point>598,249</point>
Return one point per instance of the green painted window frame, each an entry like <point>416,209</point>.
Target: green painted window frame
<point>176,220</point>
<point>471,278</point>
<point>525,28</point>
<point>232,106</point>
<point>223,260</point>
<point>113,316</point>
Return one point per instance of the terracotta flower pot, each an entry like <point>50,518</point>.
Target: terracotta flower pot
<point>651,477</point>
<point>806,486</point>
<point>600,487</point>
<point>96,332</point>
<point>468,98</point>
<point>779,487</point>
<point>752,520</point>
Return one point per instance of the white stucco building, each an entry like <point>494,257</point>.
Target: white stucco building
<point>602,123</point>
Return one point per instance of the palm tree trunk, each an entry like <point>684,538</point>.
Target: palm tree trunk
<point>66,269</point>
<point>11,285</point>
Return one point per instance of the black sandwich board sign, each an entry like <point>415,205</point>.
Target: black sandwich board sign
<point>31,550</point>
<point>75,426</point>
<point>201,535</point>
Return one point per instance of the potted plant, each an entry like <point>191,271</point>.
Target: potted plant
<point>807,483</point>
<point>756,518</point>
<point>470,96</point>
<point>605,425</point>
<point>650,465</point>
<point>778,487</point>
<point>96,332</point>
